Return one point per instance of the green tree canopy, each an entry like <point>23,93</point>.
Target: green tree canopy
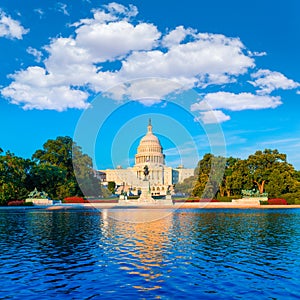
<point>111,186</point>
<point>186,187</point>
<point>57,153</point>
<point>14,172</point>
<point>48,178</point>
<point>269,167</point>
<point>210,175</point>
<point>266,170</point>
<point>72,168</point>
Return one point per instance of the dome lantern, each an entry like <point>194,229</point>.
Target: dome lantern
<point>149,126</point>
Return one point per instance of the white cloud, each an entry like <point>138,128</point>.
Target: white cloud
<point>181,59</point>
<point>72,62</point>
<point>268,81</point>
<point>147,90</point>
<point>257,54</point>
<point>34,89</point>
<point>111,12</point>
<point>58,98</point>
<point>209,59</point>
<point>62,7</point>
<point>106,42</point>
<point>213,117</point>
<point>236,102</point>
<point>116,8</point>
<point>36,53</point>
<point>65,56</point>
<point>10,28</point>
<point>176,36</point>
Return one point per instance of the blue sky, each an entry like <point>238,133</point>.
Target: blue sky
<point>214,76</point>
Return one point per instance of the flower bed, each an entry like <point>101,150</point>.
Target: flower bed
<point>16,203</point>
<point>75,199</point>
<point>277,201</point>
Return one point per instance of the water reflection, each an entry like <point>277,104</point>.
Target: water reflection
<point>141,246</point>
<point>209,253</point>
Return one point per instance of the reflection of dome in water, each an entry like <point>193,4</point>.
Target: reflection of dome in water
<point>149,150</point>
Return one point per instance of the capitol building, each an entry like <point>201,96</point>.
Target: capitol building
<point>149,155</point>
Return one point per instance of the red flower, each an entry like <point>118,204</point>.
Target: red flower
<point>277,201</point>
<point>15,202</point>
<point>74,199</point>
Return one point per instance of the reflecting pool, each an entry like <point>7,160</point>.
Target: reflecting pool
<point>187,254</point>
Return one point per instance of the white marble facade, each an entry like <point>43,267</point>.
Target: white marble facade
<point>161,177</point>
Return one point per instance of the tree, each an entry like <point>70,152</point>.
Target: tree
<point>85,174</point>
<point>238,178</point>
<point>210,175</point>
<point>269,166</point>
<point>111,186</point>
<point>14,171</point>
<point>186,187</point>
<point>226,185</point>
<point>49,178</point>
<point>57,153</point>
<point>296,176</point>
<point>72,169</point>
<point>266,170</point>
<point>280,182</point>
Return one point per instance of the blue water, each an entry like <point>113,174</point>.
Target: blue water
<point>188,254</point>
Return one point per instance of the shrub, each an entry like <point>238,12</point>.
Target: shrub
<point>133,197</point>
<point>264,202</point>
<point>227,199</point>
<point>75,199</point>
<point>292,198</point>
<point>192,199</point>
<point>277,201</point>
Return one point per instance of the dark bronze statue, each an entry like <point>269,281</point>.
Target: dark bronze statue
<point>35,194</point>
<point>146,172</point>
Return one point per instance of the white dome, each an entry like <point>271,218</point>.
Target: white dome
<point>150,138</point>
<point>149,150</point>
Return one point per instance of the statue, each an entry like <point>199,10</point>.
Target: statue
<point>146,172</point>
<point>168,190</point>
<point>35,194</point>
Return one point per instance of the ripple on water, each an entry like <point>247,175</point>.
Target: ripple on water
<point>205,254</point>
